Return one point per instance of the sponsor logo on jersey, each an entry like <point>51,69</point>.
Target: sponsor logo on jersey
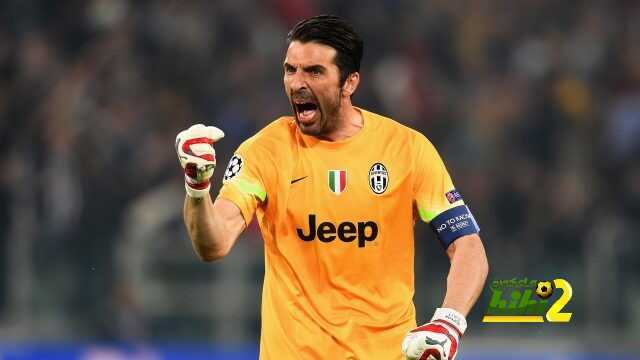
<point>453,196</point>
<point>234,167</point>
<point>347,231</point>
<point>337,181</point>
<point>378,178</point>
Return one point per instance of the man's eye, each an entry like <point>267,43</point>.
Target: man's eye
<point>289,70</point>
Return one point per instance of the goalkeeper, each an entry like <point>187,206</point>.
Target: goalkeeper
<point>336,190</point>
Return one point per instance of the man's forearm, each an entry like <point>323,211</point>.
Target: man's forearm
<point>199,220</point>
<point>440,337</point>
<point>467,275</point>
<point>212,227</point>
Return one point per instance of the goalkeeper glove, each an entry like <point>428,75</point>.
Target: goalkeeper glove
<point>197,157</point>
<point>437,340</point>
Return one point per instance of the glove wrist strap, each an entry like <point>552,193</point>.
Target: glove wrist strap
<point>452,318</point>
<point>196,190</point>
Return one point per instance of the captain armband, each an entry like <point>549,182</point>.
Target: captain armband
<point>454,223</point>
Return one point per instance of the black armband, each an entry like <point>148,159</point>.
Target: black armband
<point>454,223</point>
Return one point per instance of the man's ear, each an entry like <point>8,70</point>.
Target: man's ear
<point>351,84</point>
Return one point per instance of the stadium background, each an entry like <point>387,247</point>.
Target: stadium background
<point>534,105</point>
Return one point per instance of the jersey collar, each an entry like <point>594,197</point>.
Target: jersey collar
<point>356,139</point>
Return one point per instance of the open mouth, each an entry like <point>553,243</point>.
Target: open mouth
<point>306,110</point>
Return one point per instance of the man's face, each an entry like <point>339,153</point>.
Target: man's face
<point>312,83</point>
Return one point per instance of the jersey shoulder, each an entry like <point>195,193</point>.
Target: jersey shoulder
<point>274,137</point>
<point>394,131</point>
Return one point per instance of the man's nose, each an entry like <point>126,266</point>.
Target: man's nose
<point>298,82</point>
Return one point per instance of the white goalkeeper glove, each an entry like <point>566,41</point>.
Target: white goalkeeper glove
<point>197,157</point>
<point>437,340</point>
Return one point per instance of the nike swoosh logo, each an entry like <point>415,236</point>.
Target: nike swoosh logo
<point>298,179</point>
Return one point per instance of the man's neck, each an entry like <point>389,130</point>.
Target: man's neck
<point>351,121</point>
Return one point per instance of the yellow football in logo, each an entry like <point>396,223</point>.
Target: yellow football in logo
<point>544,289</point>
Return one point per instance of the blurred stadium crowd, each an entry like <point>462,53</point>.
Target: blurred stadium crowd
<point>533,104</point>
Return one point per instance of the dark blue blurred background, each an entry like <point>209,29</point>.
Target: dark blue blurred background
<point>533,104</point>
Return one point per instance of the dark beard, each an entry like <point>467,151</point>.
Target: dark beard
<point>329,118</point>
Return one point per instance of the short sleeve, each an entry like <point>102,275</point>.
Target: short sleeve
<point>433,189</point>
<point>246,178</point>
<point>436,199</point>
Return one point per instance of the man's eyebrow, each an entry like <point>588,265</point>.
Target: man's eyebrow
<point>314,68</point>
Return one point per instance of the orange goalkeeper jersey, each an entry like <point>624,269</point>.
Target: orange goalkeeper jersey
<point>337,221</point>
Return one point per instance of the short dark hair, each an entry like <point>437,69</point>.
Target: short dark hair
<point>332,31</point>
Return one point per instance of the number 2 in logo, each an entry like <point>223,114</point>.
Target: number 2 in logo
<point>554,314</point>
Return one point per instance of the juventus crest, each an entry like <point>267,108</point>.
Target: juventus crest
<point>378,178</point>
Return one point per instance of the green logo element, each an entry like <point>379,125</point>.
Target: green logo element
<point>515,297</point>
<point>527,300</point>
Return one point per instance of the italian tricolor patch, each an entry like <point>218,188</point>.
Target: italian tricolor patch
<point>337,181</point>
